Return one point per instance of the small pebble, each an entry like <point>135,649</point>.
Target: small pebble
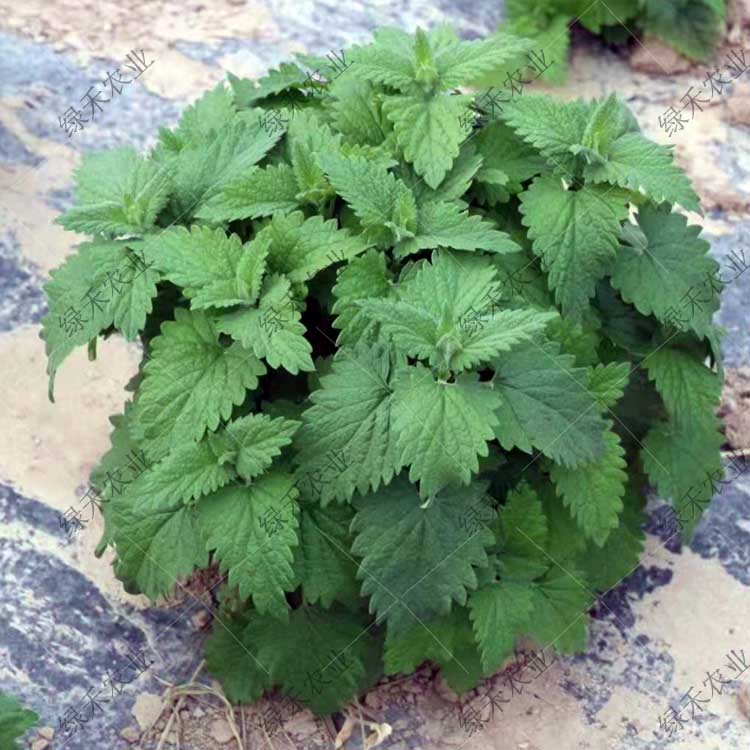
<point>221,731</point>
<point>47,732</point>
<point>40,744</point>
<point>131,734</point>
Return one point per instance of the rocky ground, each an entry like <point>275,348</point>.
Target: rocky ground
<point>64,616</point>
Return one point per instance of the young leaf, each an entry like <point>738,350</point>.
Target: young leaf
<point>214,270</point>
<point>118,193</point>
<point>273,330</point>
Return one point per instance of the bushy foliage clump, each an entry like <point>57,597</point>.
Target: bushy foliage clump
<point>406,371</point>
<point>692,27</point>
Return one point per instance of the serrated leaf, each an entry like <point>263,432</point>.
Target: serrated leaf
<point>104,284</point>
<point>118,193</point>
<point>351,416</point>
<point>189,471</point>
<point>202,171</point>
<point>429,130</point>
<point>442,427</point>
<point>559,617</point>
<point>272,330</point>
<point>635,163</point>
<point>502,149</point>
<point>663,267</point>
<point>191,382</point>
<point>684,462</point>
<point>255,440</point>
<point>156,546</point>
<point>608,382</point>
<point>545,406</point>
<point>262,192</point>
<point>440,314</point>
<point>593,491</point>
<point>276,81</point>
<point>300,247</point>
<point>383,203</point>
<point>691,391</point>
<point>252,531</point>
<point>500,613</point>
<point>448,225</point>
<point>576,234</point>
<point>522,536</point>
<point>416,560</point>
<point>213,269</point>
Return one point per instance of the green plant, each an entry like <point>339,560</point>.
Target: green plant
<point>693,27</point>
<point>15,721</point>
<point>404,378</point>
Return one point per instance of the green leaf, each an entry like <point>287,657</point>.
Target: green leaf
<point>364,277</point>
<point>501,613</point>
<point>693,27</point>
<point>15,721</point>
<point>635,163</point>
<point>593,491</point>
<point>684,462</point>
<point>262,192</point>
<point>691,391</point>
<point>545,406</point>
<point>104,284</point>
<point>551,126</point>
<point>191,382</point>
<point>383,203</point>
<point>665,270</point>
<point>442,427</point>
<point>576,234</point>
<point>429,129</point>
<point>522,535</point>
<point>356,111</point>
<point>608,382</point>
<point>203,170</point>
<point>272,330</point>
<point>323,564</point>
<point>252,531</point>
<point>230,658</point>
<point>502,149</point>
<point>416,560</point>
<point>214,270</point>
<point>439,314</point>
<point>318,657</point>
<point>189,471</point>
<point>300,247</point>
<point>559,617</point>
<point>351,417</point>
<point>448,640</point>
<point>202,121</point>
<point>390,59</point>
<point>156,546</point>
<point>447,225</point>
<point>118,192</point>
<point>255,440</point>
<point>276,81</point>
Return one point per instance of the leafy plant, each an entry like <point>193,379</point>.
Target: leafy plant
<point>405,376</point>
<point>693,27</point>
<point>15,721</point>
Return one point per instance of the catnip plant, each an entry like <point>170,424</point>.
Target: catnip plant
<point>408,369</point>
